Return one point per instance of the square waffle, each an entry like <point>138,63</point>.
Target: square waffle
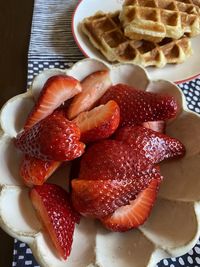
<point>154,20</point>
<point>106,34</point>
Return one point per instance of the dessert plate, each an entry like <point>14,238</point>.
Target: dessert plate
<point>167,233</point>
<point>176,73</point>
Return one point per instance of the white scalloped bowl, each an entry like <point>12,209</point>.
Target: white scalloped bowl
<point>171,230</point>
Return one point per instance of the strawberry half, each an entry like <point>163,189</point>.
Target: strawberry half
<point>157,126</point>
<point>36,171</point>
<point>149,144</point>
<point>93,87</point>
<point>112,159</point>
<point>54,209</point>
<point>56,90</point>
<point>53,138</point>
<point>99,198</point>
<point>138,106</point>
<point>136,213</point>
<point>98,123</point>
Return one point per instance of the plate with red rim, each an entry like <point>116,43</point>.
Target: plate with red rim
<point>93,245</point>
<point>177,73</point>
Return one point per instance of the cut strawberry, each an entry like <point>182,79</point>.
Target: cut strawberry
<point>98,123</point>
<point>53,207</point>
<point>93,87</point>
<point>36,171</point>
<point>157,126</point>
<point>112,159</point>
<point>53,138</point>
<point>56,90</point>
<point>136,213</point>
<point>99,198</point>
<point>149,144</point>
<point>138,106</point>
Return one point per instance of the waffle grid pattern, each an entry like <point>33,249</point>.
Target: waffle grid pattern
<point>106,34</point>
<point>156,19</point>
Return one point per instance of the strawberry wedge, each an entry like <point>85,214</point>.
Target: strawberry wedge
<point>136,213</point>
<point>36,171</point>
<point>93,87</point>
<point>99,198</point>
<point>98,123</point>
<point>151,145</point>
<point>56,90</point>
<point>58,217</point>
<point>138,106</point>
<point>53,138</point>
<point>112,159</point>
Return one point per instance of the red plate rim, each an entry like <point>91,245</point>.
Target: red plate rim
<point>86,55</point>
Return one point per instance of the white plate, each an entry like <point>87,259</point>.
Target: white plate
<point>188,70</point>
<point>168,232</point>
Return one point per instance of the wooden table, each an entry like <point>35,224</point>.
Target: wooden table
<point>15,26</point>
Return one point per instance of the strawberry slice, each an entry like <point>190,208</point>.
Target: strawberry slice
<point>53,138</point>
<point>58,217</point>
<point>56,90</point>
<point>157,126</point>
<point>149,144</point>
<point>136,213</point>
<point>99,198</point>
<point>36,171</point>
<point>98,123</point>
<point>138,106</point>
<point>93,87</point>
<point>112,159</point>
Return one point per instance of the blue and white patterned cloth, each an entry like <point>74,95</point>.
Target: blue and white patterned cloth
<point>52,46</point>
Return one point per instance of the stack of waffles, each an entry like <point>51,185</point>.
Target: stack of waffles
<point>146,32</point>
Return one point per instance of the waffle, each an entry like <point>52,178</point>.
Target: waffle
<point>106,34</point>
<point>154,20</point>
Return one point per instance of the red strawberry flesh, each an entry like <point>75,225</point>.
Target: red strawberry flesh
<point>99,198</point>
<point>36,171</point>
<point>53,138</point>
<point>134,214</point>
<point>138,106</point>
<point>98,123</point>
<point>152,145</point>
<point>55,91</point>
<point>112,159</point>
<point>54,209</point>
<point>93,87</point>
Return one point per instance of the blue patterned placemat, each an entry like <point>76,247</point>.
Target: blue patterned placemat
<point>52,46</point>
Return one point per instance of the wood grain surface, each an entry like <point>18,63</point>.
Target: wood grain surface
<point>15,27</point>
